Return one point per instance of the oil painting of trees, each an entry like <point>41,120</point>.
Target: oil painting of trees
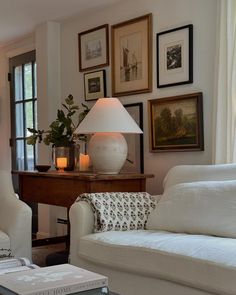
<point>176,123</point>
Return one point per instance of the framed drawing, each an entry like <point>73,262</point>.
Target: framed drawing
<point>134,162</point>
<point>95,85</point>
<point>132,56</point>
<point>176,123</point>
<point>175,57</point>
<point>93,48</point>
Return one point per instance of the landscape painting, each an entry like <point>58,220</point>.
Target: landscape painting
<point>176,123</point>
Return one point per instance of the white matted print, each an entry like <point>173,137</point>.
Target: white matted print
<point>93,48</point>
<point>175,56</point>
<point>132,56</point>
<point>95,85</point>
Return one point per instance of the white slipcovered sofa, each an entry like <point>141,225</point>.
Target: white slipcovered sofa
<point>188,248</point>
<point>15,221</point>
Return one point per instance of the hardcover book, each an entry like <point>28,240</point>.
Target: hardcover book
<point>15,265</point>
<point>52,280</point>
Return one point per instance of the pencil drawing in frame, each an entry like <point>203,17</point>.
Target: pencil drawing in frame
<point>132,56</point>
<point>176,123</point>
<point>93,48</point>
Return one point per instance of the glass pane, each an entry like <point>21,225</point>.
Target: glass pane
<point>30,157</point>
<point>28,117</point>
<point>28,81</point>
<point>18,83</point>
<point>35,80</point>
<point>20,154</point>
<point>19,120</point>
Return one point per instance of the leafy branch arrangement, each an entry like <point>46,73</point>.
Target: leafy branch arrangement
<point>61,130</point>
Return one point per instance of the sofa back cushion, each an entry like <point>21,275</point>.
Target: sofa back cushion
<point>192,173</point>
<point>119,211</point>
<point>207,207</point>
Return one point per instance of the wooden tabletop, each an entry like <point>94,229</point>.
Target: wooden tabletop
<point>84,175</point>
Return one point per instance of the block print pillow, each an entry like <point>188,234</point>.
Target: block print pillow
<point>119,211</point>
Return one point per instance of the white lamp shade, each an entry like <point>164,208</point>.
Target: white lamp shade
<point>108,115</point>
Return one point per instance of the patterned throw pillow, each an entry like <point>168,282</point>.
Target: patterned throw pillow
<point>5,253</point>
<point>119,211</point>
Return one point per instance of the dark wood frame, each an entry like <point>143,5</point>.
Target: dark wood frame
<point>139,105</point>
<point>102,81</point>
<point>198,145</point>
<point>148,86</point>
<point>190,55</point>
<point>106,63</point>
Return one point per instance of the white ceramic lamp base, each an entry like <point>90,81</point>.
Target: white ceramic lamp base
<point>108,152</point>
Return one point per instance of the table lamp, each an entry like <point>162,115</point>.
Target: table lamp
<point>107,147</point>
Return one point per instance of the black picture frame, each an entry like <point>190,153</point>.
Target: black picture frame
<point>135,158</point>
<point>93,46</point>
<point>95,85</point>
<point>175,56</point>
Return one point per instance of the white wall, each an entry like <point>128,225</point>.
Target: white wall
<point>167,14</point>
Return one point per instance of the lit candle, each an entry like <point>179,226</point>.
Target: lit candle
<point>83,162</point>
<point>61,163</point>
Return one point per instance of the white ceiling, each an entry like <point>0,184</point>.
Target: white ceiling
<point>19,17</point>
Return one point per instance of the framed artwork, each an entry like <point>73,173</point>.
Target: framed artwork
<point>175,57</point>
<point>95,85</point>
<point>132,56</point>
<point>176,123</point>
<point>134,162</point>
<point>93,48</point>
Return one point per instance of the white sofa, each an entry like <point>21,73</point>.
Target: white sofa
<point>157,261</point>
<point>15,221</point>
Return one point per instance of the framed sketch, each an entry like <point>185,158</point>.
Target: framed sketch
<point>175,57</point>
<point>176,123</point>
<point>95,85</point>
<point>134,162</point>
<point>93,48</point>
<point>132,56</point>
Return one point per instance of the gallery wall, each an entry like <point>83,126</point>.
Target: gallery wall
<point>167,14</point>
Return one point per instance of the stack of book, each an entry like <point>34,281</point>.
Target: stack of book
<point>15,265</point>
<point>54,280</point>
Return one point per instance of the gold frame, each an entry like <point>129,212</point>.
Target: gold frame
<point>132,56</point>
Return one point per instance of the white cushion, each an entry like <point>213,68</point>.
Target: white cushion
<point>203,262</point>
<point>198,207</point>
<point>191,173</point>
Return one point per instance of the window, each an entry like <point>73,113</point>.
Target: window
<point>23,92</point>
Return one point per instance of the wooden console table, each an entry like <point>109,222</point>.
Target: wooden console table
<point>62,189</point>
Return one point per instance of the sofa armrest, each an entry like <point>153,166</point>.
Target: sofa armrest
<point>81,224</point>
<point>15,221</point>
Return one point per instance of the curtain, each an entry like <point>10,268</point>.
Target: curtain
<point>224,114</point>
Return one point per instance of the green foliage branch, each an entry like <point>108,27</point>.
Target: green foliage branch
<point>61,131</point>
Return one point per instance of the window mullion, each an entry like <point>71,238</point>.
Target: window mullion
<point>24,117</point>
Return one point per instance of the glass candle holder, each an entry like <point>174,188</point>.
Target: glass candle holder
<point>61,158</point>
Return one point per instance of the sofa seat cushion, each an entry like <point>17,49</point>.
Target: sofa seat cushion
<point>4,244</point>
<point>203,262</point>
